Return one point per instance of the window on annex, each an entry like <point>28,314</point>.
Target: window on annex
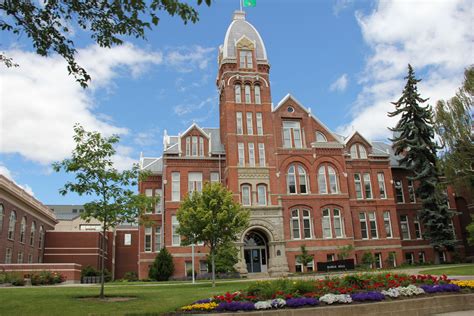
<point>215,177</point>
<point>409,257</point>
<point>321,138</point>
<point>238,93</point>
<point>2,216</point>
<point>194,182</point>
<point>127,239</point>
<point>387,223</point>
<point>41,238</point>
<point>23,229</point>
<point>338,223</point>
<point>12,225</point>
<point>159,205</point>
<point>378,260</point>
<point>327,175</point>
<point>417,225</point>
<point>292,134</point>
<point>157,238</point>
<point>404,227</point>
<point>262,194</point>
<point>330,257</point>
<point>176,239</point>
<point>148,238</point>
<point>381,181</point>
<point>20,257</point>
<point>32,233</point>
<point>358,151</point>
<point>297,181</point>
<point>175,186</point>
<point>246,60</point>
<point>246,195</point>
<point>258,99</point>
<point>8,256</point>
<point>295,224</point>
<point>399,191</point>
<point>411,191</point>
<point>149,193</point>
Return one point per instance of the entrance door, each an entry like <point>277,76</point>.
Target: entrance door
<point>255,253</point>
<point>253,258</point>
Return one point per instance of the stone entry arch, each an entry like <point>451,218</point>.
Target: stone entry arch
<point>256,254</point>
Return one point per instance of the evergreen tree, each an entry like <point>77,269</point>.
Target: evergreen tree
<point>414,141</point>
<point>163,267</point>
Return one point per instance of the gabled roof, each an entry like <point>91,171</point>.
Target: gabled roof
<point>194,125</point>
<point>348,138</point>
<point>384,148</point>
<point>154,165</point>
<point>171,143</point>
<point>289,96</point>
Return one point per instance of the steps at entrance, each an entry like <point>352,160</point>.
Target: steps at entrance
<point>260,275</point>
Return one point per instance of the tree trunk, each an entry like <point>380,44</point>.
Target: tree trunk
<point>213,268</point>
<point>102,270</point>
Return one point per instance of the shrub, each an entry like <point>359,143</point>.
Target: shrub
<point>163,267</point>
<point>3,277</point>
<point>368,259</point>
<point>89,271</point>
<point>16,279</point>
<point>302,287</point>
<point>130,276</point>
<point>47,278</point>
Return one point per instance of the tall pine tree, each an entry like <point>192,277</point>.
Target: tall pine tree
<point>414,141</point>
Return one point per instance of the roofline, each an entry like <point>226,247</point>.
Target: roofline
<point>353,134</point>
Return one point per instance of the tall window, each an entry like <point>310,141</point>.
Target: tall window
<point>241,154</point>
<point>11,225</point>
<point>367,186</point>
<point>373,225</point>
<point>258,99</point>
<point>404,227</point>
<point>417,225</point>
<point>246,59</point>
<point>32,233</point>
<point>238,93</point>
<point>238,118</point>
<point>296,180</point>
<point>194,146</point>
<point>22,229</point>
<point>363,226</point>
<point>249,123</point>
<point>127,239</point>
<point>188,146</point>
<point>246,195</point>
<point>148,236</point>
<point>326,224</point>
<point>337,220</point>
<point>421,257</point>
<point>248,99</point>
<point>358,186</point>
<point>41,237</point>
<point>159,205</point>
<point>327,174</point>
<point>8,256</point>
<point>307,224</point>
<point>399,191</point>
<point>194,182</point>
<point>148,193</point>
<point>175,186</point>
<point>174,227</point>
<point>295,224</point>
<point>261,154</point>
<point>20,257</point>
<point>262,194</point>
<point>409,258</point>
<point>2,216</point>
<point>387,223</point>
<point>378,260</point>
<point>381,181</point>
<point>251,154</point>
<point>201,146</point>
<point>411,191</point>
<point>358,151</point>
<point>292,134</point>
<point>157,238</point>
<point>259,123</point>
<point>215,177</point>
<point>320,138</point>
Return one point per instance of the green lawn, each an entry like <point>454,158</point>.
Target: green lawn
<point>456,270</point>
<point>63,300</point>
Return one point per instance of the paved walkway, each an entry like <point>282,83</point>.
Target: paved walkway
<point>462,313</point>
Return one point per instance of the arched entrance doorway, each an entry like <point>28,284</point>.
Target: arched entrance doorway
<point>256,252</point>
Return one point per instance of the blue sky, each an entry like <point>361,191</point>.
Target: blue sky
<point>344,59</point>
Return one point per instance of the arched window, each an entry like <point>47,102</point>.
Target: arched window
<point>41,237</point>
<point>22,229</point>
<point>358,151</point>
<point>298,218</point>
<point>32,233</point>
<point>258,99</point>
<point>11,225</point>
<point>262,194</point>
<point>248,98</point>
<point>2,215</point>
<point>238,93</point>
<point>327,175</point>
<point>294,174</point>
<point>320,138</point>
<point>246,195</point>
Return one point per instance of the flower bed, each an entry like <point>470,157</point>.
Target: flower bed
<point>284,293</point>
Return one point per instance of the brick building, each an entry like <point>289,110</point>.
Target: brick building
<point>304,184</point>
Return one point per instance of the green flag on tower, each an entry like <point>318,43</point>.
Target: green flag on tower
<point>250,3</point>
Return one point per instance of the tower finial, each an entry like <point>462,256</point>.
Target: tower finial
<point>239,15</point>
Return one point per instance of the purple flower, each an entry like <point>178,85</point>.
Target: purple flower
<point>440,288</point>
<point>203,301</point>
<point>235,306</point>
<point>368,296</point>
<point>301,301</point>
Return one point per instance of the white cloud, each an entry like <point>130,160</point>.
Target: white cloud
<point>183,109</point>
<point>187,59</point>
<point>340,5</point>
<point>122,158</point>
<point>41,103</point>
<point>8,174</point>
<point>340,84</point>
<point>435,37</point>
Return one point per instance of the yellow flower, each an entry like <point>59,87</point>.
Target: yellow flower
<point>201,307</point>
<point>464,283</point>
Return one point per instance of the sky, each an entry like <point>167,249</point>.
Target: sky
<point>344,59</point>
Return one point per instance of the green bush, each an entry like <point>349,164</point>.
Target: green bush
<point>163,267</point>
<point>89,271</point>
<point>130,276</point>
<point>47,278</point>
<point>3,277</point>
<point>266,289</point>
<point>302,286</point>
<point>16,279</point>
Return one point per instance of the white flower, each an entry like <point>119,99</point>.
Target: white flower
<point>333,298</point>
<point>263,305</point>
<point>410,290</point>
<point>393,292</point>
<point>278,302</point>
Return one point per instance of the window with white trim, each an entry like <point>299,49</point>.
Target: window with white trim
<point>148,193</point>
<point>326,223</point>
<point>358,151</point>
<point>258,99</point>
<point>176,239</point>
<point>307,227</point>
<point>249,123</point>
<point>363,225</point>
<point>157,238</point>
<point>8,256</point>
<point>262,194</point>
<point>188,146</point>
<point>358,186</point>
<point>337,223</point>
<point>399,191</point>
<point>127,239</point>
<point>215,177</point>
<point>378,260</point>
<point>175,186</point>
<point>20,257</point>
<point>241,154</point>
<point>387,223</point>
<point>261,155</point>
<point>246,193</point>
<point>411,191</point>
<point>148,232</point>
<point>259,123</point>
<point>248,98</point>
<point>322,183</point>
<point>238,93</point>
<point>159,204</point>
<point>417,225</point>
<point>194,182</point>
<point>297,172</point>
<point>201,146</point>
<point>194,146</point>
<point>367,186</point>
<point>238,118</point>
<point>327,175</point>
<point>251,154</point>
<point>12,225</point>
<point>246,59</point>
<point>381,181</point>
<point>41,238</point>
<point>409,258</point>
<point>320,137</point>
<point>2,216</point>
<point>30,258</point>
<point>404,227</point>
<point>292,134</point>
<point>32,233</point>
<point>373,225</point>
<point>295,224</point>
<point>23,229</point>
<point>299,265</point>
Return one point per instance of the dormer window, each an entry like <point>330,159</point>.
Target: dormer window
<point>195,146</point>
<point>358,151</point>
<point>320,138</point>
<point>246,59</point>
